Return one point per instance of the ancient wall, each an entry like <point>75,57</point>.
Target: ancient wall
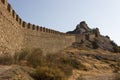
<point>11,34</point>
<point>16,34</point>
<point>47,41</point>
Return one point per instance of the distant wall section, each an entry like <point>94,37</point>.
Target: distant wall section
<point>49,41</point>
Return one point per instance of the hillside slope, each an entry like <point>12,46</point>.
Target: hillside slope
<point>99,64</point>
<point>78,63</point>
<point>95,58</point>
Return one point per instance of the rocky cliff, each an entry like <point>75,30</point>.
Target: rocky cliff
<point>99,41</point>
<point>80,28</point>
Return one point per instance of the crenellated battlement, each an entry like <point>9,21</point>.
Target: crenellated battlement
<point>17,34</point>
<point>24,24</point>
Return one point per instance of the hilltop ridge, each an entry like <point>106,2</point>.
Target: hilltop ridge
<point>99,41</point>
<point>81,28</point>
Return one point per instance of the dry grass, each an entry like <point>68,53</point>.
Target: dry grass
<point>47,73</point>
<point>64,62</point>
<point>6,60</point>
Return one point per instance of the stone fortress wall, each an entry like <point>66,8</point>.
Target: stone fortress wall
<point>16,34</point>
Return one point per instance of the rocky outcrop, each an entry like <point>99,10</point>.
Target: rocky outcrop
<point>80,28</point>
<point>93,38</point>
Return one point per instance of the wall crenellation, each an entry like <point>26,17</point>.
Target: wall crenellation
<point>9,8</point>
<point>13,13</point>
<point>17,34</point>
<point>23,23</point>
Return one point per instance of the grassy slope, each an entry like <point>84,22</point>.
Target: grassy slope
<point>73,63</point>
<point>96,61</point>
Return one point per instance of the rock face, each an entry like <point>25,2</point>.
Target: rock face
<point>80,28</point>
<point>92,37</point>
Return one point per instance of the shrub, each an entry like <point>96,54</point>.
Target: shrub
<point>95,45</point>
<point>46,73</point>
<point>57,60</point>
<point>73,63</point>
<point>70,63</point>
<point>67,69</point>
<point>6,59</point>
<point>21,55</point>
<point>35,57</point>
<point>116,49</point>
<point>65,63</point>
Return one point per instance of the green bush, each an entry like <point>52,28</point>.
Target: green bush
<point>46,73</point>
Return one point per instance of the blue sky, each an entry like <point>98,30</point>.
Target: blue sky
<point>64,15</point>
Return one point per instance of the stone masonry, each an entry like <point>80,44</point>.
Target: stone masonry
<point>16,34</point>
